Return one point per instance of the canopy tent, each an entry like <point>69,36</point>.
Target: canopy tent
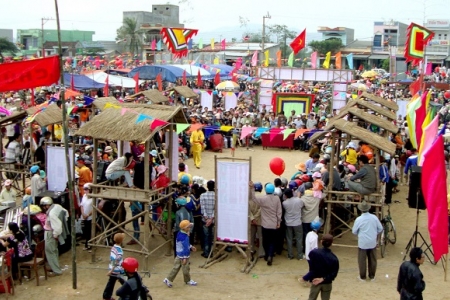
<point>225,70</point>
<point>114,80</point>
<point>192,70</point>
<point>81,82</point>
<point>168,73</point>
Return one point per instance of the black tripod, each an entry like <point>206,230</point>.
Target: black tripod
<point>413,240</point>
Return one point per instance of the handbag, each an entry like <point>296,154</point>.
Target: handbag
<point>78,228</point>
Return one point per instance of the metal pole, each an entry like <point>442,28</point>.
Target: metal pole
<point>66,149</point>
<point>42,33</point>
<point>263,40</point>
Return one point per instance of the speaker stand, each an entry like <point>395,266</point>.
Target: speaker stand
<point>413,242</point>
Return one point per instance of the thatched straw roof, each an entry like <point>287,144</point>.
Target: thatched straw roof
<point>377,120</point>
<point>15,117</point>
<point>99,103</point>
<point>378,109</point>
<point>52,114</point>
<point>344,110</point>
<point>365,135</point>
<point>185,92</point>
<point>110,124</point>
<point>317,135</point>
<point>153,95</point>
<point>379,100</point>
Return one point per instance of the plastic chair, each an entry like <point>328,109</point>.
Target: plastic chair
<point>37,262</point>
<point>6,271</point>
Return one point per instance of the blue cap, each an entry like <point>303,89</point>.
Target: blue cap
<point>315,225</point>
<point>184,179</point>
<point>34,169</point>
<point>181,201</point>
<point>270,188</point>
<point>257,186</point>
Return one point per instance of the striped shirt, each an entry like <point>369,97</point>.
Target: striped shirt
<point>207,204</point>
<point>116,260</point>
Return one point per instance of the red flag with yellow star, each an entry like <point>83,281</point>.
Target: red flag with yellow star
<point>299,42</point>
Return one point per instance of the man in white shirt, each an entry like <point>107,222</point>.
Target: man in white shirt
<point>293,219</point>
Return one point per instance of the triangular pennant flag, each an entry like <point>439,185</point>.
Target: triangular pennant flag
<point>209,92</point>
<point>123,111</point>
<point>272,135</point>
<point>182,127</point>
<point>142,117</point>
<point>157,123</point>
<point>287,132</point>
<point>110,105</point>
<point>245,131</point>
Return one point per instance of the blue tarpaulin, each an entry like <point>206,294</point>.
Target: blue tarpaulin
<point>81,82</point>
<point>209,130</point>
<point>168,73</point>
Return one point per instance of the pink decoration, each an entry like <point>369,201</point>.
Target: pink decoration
<point>157,123</point>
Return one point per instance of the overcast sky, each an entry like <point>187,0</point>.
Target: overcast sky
<point>105,16</point>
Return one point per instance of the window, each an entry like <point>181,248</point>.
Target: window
<point>155,8</point>
<point>377,41</point>
<point>439,36</point>
<point>167,8</point>
<point>445,36</point>
<point>35,42</point>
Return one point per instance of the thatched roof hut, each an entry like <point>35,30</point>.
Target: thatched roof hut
<point>111,124</point>
<point>99,103</point>
<point>154,96</point>
<point>380,122</point>
<point>365,135</point>
<point>378,109</point>
<point>15,117</point>
<point>52,114</point>
<point>388,104</point>
<point>185,92</point>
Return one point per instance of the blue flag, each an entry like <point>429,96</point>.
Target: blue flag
<point>350,61</point>
<point>88,100</point>
<point>158,46</point>
<point>189,45</point>
<point>142,117</point>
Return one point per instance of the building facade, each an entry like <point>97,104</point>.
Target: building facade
<point>32,40</point>
<point>346,35</point>
<point>438,51</point>
<point>165,14</point>
<point>8,34</point>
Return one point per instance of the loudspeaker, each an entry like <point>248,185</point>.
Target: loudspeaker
<point>415,197</point>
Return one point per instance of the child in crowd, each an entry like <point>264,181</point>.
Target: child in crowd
<point>318,185</point>
<point>183,249</point>
<point>115,265</point>
<point>7,194</point>
<point>27,198</point>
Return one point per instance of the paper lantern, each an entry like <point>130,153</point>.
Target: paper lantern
<point>447,95</point>
<point>277,166</point>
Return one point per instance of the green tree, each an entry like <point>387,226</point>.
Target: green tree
<point>94,51</point>
<point>7,47</point>
<point>130,35</point>
<point>282,34</point>
<point>385,64</point>
<point>333,45</point>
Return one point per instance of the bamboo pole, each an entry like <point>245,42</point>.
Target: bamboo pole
<point>66,148</point>
<point>94,211</point>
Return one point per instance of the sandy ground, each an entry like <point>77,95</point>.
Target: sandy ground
<point>224,280</point>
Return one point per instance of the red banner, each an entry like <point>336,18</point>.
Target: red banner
<point>29,73</point>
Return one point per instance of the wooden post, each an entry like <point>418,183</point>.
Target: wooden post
<point>94,212</point>
<point>146,205</point>
<point>169,204</point>
<point>330,175</point>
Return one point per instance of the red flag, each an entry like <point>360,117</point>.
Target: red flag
<point>106,87</point>
<point>421,114</point>
<point>159,82</point>
<point>434,187</point>
<point>414,87</point>
<point>217,78</point>
<point>28,74</point>
<point>184,78</point>
<point>199,79</point>
<point>157,123</point>
<point>234,77</point>
<point>299,42</point>
<point>136,79</point>
<point>223,44</point>
<point>32,98</point>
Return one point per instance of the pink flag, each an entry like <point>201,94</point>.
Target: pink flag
<point>255,59</point>
<point>245,131</point>
<point>434,187</point>
<point>429,69</point>
<point>238,64</point>
<point>157,123</point>
<point>314,59</point>
<point>153,45</point>
<point>123,111</point>
<point>430,132</point>
<point>223,44</point>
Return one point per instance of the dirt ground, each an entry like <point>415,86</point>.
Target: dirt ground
<point>224,280</point>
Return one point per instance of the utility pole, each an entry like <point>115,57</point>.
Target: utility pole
<point>264,35</point>
<point>43,21</point>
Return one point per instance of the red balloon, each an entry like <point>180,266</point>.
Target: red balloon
<point>277,166</point>
<point>447,95</point>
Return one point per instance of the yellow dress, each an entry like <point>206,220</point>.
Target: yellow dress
<point>197,139</point>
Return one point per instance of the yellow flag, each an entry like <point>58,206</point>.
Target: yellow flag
<point>212,44</point>
<point>266,58</point>
<point>326,63</point>
<point>216,61</point>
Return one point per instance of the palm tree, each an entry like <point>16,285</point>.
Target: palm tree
<point>131,35</point>
<point>8,47</point>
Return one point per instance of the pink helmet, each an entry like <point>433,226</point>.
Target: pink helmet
<point>351,168</point>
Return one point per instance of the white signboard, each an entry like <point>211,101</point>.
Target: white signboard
<point>173,174</point>
<point>206,100</point>
<point>232,201</point>
<point>230,100</point>
<point>56,168</point>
